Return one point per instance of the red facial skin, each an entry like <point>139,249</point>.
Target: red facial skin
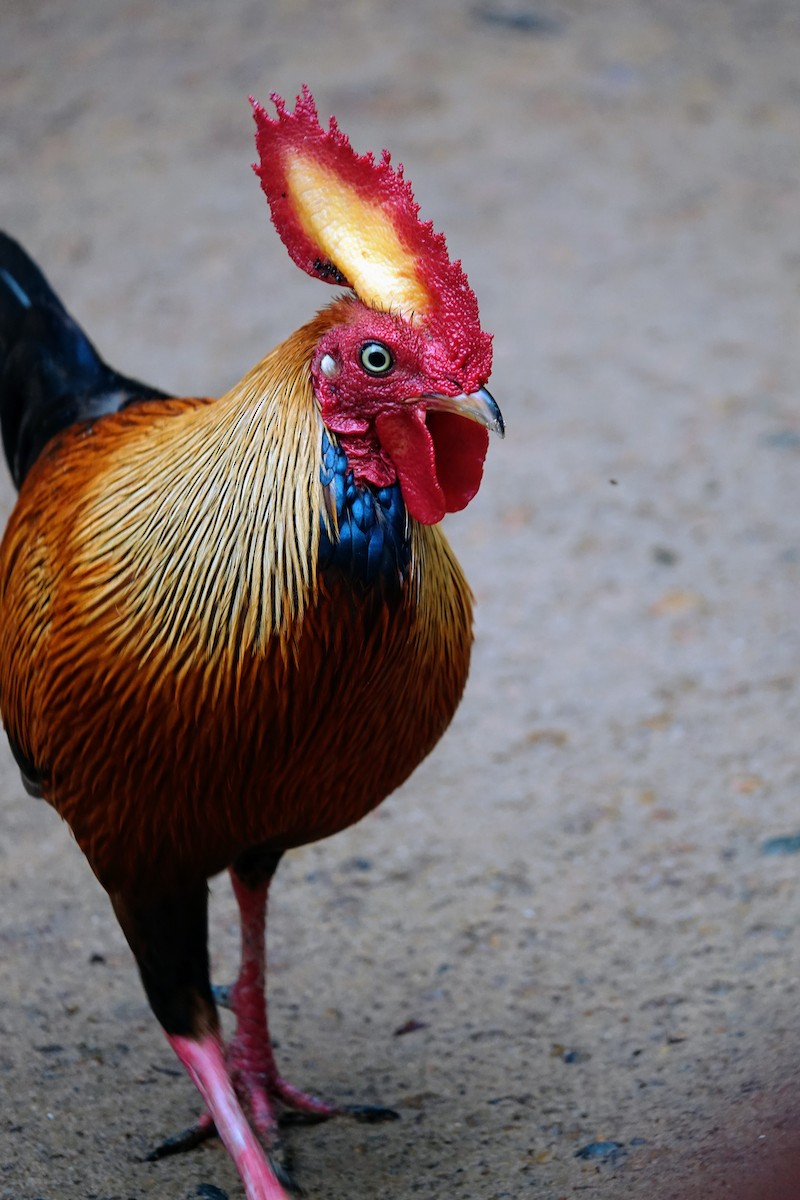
<point>385,423</point>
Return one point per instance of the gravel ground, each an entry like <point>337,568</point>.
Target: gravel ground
<point>579,910</point>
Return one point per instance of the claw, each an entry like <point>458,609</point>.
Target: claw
<point>284,1176</point>
<point>292,1118</point>
<point>369,1114</point>
<point>366,1114</point>
<point>203,1129</point>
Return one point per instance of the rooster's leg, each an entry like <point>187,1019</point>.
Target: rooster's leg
<point>250,1054</point>
<point>204,1060</point>
<point>169,939</point>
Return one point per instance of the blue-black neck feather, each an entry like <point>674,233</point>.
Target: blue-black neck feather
<point>372,542</point>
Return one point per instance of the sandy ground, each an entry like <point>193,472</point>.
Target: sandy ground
<point>571,908</point>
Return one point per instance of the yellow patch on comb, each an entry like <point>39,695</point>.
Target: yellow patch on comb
<point>356,236</point>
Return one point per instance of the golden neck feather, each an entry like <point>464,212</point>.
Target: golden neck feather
<point>210,514</point>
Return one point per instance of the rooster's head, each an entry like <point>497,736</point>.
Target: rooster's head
<point>400,377</point>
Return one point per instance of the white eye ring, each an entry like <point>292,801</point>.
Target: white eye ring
<point>375,358</point>
<point>329,366</point>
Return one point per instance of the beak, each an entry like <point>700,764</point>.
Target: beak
<point>478,406</point>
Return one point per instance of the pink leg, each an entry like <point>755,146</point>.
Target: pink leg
<point>205,1064</point>
<point>250,1055</point>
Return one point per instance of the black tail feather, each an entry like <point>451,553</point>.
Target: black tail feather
<point>51,376</point>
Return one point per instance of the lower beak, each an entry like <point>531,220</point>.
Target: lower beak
<point>478,406</point>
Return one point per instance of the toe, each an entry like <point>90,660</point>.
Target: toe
<point>178,1143</point>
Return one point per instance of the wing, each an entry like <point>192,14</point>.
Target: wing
<point>51,376</point>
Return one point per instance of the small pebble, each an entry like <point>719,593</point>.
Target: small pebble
<point>665,556</point>
<point>357,864</point>
<point>521,20</point>
<point>410,1026</point>
<point>790,844</point>
<point>601,1151</point>
<point>576,1056</point>
<point>783,439</point>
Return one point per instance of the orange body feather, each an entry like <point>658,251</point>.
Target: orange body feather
<point>172,661</point>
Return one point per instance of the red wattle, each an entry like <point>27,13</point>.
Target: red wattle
<point>404,436</point>
<point>438,457</point>
<point>460,445</point>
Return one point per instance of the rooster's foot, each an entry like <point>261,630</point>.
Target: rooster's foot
<point>262,1090</point>
<point>204,1128</point>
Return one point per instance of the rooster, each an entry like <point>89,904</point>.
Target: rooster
<point>232,627</point>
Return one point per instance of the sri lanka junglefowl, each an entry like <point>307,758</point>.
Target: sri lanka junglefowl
<point>231,627</point>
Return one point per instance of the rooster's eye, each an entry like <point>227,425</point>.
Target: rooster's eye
<point>376,358</point>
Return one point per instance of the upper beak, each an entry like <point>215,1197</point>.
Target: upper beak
<point>479,406</point>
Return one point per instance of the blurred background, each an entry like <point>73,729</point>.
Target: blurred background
<point>567,951</point>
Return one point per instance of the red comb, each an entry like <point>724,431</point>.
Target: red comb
<point>351,220</point>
